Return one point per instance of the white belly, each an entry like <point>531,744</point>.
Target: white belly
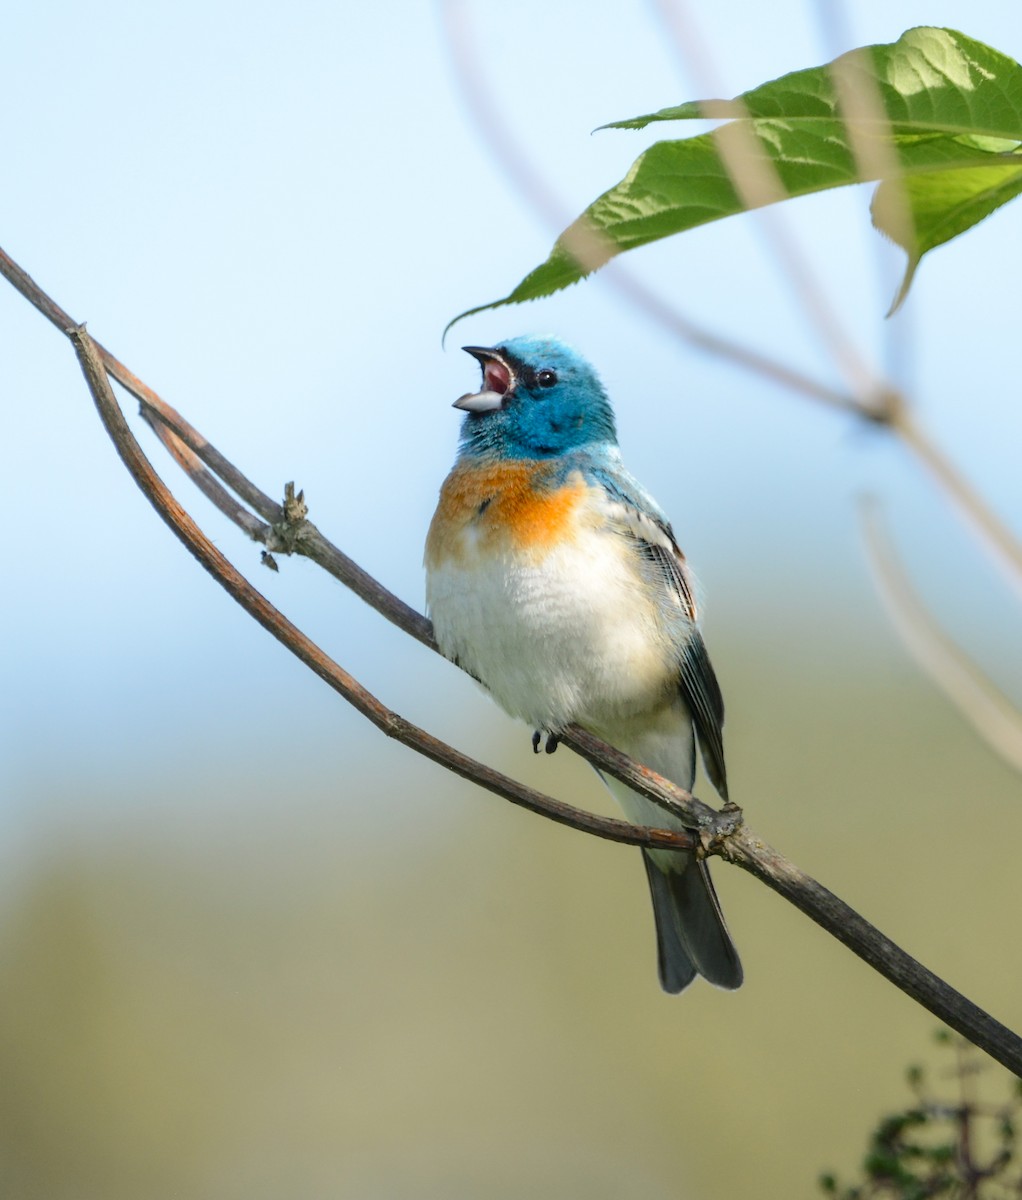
<point>565,637</point>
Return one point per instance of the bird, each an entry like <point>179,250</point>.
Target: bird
<point>554,578</point>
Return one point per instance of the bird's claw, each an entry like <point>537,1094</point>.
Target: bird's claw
<point>552,741</point>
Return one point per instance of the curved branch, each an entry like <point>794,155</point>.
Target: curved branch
<point>274,621</point>
<point>189,460</point>
<point>713,833</point>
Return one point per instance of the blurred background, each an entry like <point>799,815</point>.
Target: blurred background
<point>248,948</point>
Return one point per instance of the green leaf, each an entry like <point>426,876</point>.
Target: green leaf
<point>928,79</point>
<point>942,207</point>
<point>935,116</point>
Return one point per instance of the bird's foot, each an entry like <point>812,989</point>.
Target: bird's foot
<point>552,741</point>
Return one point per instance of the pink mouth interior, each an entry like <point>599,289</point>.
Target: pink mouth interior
<point>496,377</point>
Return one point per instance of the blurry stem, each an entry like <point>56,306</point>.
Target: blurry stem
<point>1003,546</point>
<point>977,700</point>
<point>531,184</point>
<point>713,833</point>
<point>836,35</point>
<point>759,185</point>
<point>860,106</point>
<point>657,309</point>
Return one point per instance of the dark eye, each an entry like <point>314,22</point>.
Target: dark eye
<point>546,378</point>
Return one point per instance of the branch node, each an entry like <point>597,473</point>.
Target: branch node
<point>295,508</point>
<point>716,833</point>
<point>286,534</point>
<point>884,406</point>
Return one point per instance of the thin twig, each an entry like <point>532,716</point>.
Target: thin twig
<point>52,311</point>
<point>274,621</point>
<point>161,414</point>
<point>836,35</point>
<point>990,713</point>
<point>305,539</point>
<point>207,483</point>
<point>993,534</point>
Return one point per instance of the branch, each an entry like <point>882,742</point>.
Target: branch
<point>257,606</point>
<point>993,534</point>
<point>984,706</point>
<point>713,833</point>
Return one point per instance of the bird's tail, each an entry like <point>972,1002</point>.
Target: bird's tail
<point>692,938</point>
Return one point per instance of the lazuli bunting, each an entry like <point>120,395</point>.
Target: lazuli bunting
<point>554,578</point>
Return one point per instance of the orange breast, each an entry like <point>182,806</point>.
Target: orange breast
<point>500,508</point>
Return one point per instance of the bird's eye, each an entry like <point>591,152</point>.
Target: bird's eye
<point>546,378</point>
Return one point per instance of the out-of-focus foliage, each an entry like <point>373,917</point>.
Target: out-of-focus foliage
<point>951,1141</point>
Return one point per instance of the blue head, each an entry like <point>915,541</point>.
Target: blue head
<point>539,399</point>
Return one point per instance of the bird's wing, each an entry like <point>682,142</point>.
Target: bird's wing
<point>701,693</point>
<point>631,512</point>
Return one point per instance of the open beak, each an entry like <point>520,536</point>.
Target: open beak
<point>498,381</point>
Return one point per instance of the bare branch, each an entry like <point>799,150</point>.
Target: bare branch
<point>152,404</point>
<point>1003,546</point>
<point>863,939</point>
<point>716,833</point>
<point>204,480</point>
<point>257,606</point>
<point>303,538</point>
<point>990,713</point>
